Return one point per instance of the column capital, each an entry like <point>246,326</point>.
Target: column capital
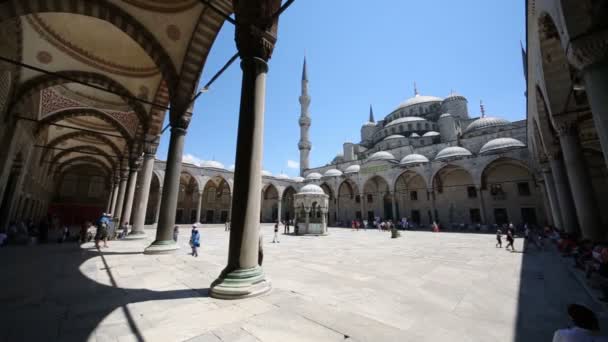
<point>567,126</point>
<point>150,145</point>
<point>589,48</point>
<point>257,26</point>
<point>123,174</point>
<point>179,124</point>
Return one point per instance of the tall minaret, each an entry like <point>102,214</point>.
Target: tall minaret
<point>304,145</point>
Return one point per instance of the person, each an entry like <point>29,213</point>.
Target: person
<point>195,240</point>
<point>286,227</point>
<point>65,234</point>
<point>125,230</point>
<point>435,227</point>
<point>102,231</point>
<point>175,233</point>
<point>526,237</point>
<point>498,238</point>
<point>275,239</point>
<point>510,240</point>
<point>227,226</point>
<point>586,327</point>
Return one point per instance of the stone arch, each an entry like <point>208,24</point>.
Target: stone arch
<point>349,202</point>
<point>97,150</point>
<point>84,160</point>
<point>36,84</point>
<point>187,200</point>
<point>288,203</point>
<point>332,203</point>
<point>454,204</point>
<point>412,198</point>
<point>270,203</point>
<point>509,191</point>
<point>74,135</point>
<point>377,198</point>
<point>216,199</point>
<point>102,10</point>
<point>87,111</point>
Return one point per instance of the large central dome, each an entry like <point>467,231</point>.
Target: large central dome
<point>418,99</point>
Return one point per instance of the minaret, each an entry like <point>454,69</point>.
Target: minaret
<point>371,114</point>
<point>304,145</point>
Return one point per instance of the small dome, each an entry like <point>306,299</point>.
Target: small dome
<point>414,135</point>
<point>453,152</point>
<point>485,122</point>
<point>419,99</point>
<point>500,145</point>
<point>332,173</point>
<point>430,134</point>
<point>405,119</point>
<point>352,169</point>
<point>212,163</point>
<point>445,115</point>
<point>454,96</point>
<point>266,173</point>
<point>369,124</point>
<point>311,189</point>
<point>413,159</point>
<point>313,176</point>
<point>381,155</point>
<point>298,179</point>
<point>394,136</point>
<point>282,176</point>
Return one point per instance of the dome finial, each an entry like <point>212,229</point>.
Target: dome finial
<point>415,89</point>
<point>483,109</point>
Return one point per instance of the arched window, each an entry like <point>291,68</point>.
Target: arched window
<point>426,126</point>
<point>409,127</point>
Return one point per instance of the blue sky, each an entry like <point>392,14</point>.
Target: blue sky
<point>361,53</point>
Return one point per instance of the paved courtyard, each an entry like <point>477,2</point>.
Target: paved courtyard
<point>350,285</point>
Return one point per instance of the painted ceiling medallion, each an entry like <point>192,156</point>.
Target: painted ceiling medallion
<point>44,57</point>
<point>173,32</point>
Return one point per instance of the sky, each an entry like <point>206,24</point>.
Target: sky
<point>361,53</point>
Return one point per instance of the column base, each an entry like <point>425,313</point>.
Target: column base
<point>135,236</point>
<point>161,247</point>
<point>241,283</point>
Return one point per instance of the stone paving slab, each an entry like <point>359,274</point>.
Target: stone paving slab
<point>349,285</point>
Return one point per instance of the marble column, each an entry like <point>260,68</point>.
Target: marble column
<point>362,203</point>
<point>580,182</point>
<point>323,221</point>
<point>130,193</point>
<point>596,85</point>
<point>110,197</point>
<point>433,206</point>
<point>164,242</point>
<point>279,209</point>
<point>564,196</point>
<point>394,207</point>
<point>482,206</point>
<point>157,212</point>
<point>141,198</point>
<point>199,207</point>
<point>554,207</point>
<point>114,196</point>
<point>122,189</point>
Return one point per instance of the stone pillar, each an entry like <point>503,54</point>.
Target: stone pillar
<point>596,82</point>
<point>114,196</point>
<point>323,221</point>
<point>164,242</point>
<point>142,195</point>
<point>110,197</point>
<point>580,182</point>
<point>157,212</point>
<point>199,206</point>
<point>243,277</point>
<point>554,207</point>
<point>482,206</point>
<point>433,205</point>
<point>122,189</point>
<point>279,209</point>
<point>307,221</point>
<point>130,194</point>
<point>362,203</point>
<point>394,206</point>
<point>564,196</point>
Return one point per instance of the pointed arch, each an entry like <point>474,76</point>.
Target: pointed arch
<point>97,150</point>
<point>84,160</point>
<point>86,111</point>
<point>74,135</point>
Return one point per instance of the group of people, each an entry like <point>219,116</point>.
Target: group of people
<point>25,232</point>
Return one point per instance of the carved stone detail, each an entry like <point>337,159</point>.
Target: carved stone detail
<point>589,49</point>
<point>256,30</point>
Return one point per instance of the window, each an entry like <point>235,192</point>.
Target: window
<point>426,126</point>
<point>370,198</point>
<point>418,126</point>
<point>393,130</point>
<point>523,189</point>
<point>358,199</point>
<point>414,195</point>
<point>409,127</point>
<point>500,216</point>
<point>475,215</point>
<point>472,192</point>
<point>401,128</point>
<point>496,189</point>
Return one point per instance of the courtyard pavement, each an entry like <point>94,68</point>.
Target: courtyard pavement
<point>349,285</point>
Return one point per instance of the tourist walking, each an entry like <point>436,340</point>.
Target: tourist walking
<point>498,238</point>
<point>195,241</point>
<point>275,239</point>
<point>510,240</point>
<point>286,227</point>
<point>175,233</point>
<point>102,231</point>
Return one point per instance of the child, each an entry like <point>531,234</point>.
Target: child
<point>276,233</point>
<point>498,238</point>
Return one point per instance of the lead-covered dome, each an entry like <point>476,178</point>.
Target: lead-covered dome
<point>405,119</point>
<point>381,155</point>
<point>501,145</point>
<point>298,179</point>
<point>352,169</point>
<point>414,135</point>
<point>430,134</point>
<point>452,152</point>
<point>418,99</point>
<point>485,122</point>
<point>212,163</point>
<point>266,173</point>
<point>313,176</point>
<point>414,159</point>
<point>282,176</point>
<point>333,173</point>
<point>311,189</point>
<point>394,136</point>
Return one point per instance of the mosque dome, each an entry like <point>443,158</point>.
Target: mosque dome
<point>313,176</point>
<point>414,135</point>
<point>453,152</point>
<point>311,189</point>
<point>282,176</point>
<point>405,119</point>
<point>445,115</point>
<point>332,173</point>
<point>485,122</point>
<point>454,96</point>
<point>500,145</point>
<point>414,158</point>
<point>266,173</point>
<point>381,155</point>
<point>352,169</point>
<point>298,179</point>
<point>394,136</point>
<point>418,99</point>
<point>212,163</point>
<point>430,134</point>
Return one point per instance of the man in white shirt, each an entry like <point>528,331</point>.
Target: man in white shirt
<point>586,327</point>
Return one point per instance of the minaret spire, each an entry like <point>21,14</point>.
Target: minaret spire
<point>304,144</point>
<point>415,89</point>
<point>483,109</point>
<point>371,114</point>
